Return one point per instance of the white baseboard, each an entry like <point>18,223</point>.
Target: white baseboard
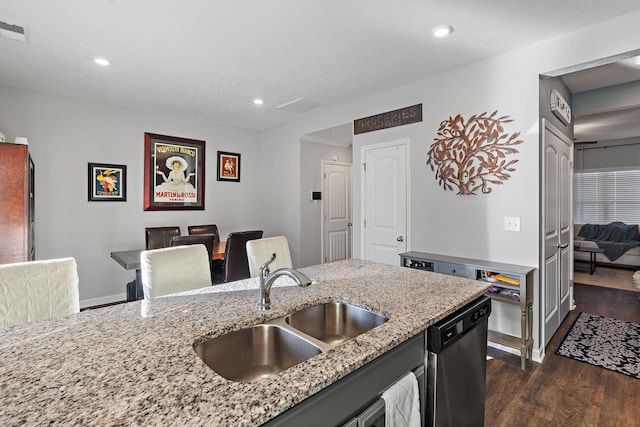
<point>504,348</point>
<point>535,354</point>
<point>109,299</point>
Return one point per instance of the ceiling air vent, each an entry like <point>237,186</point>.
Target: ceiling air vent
<point>13,32</point>
<point>299,105</point>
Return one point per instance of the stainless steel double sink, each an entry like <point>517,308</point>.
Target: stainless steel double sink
<point>259,351</point>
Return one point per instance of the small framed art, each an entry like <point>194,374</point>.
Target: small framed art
<point>228,166</point>
<point>107,182</point>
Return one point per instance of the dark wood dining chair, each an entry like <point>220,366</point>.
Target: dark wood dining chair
<point>236,263</point>
<point>204,229</point>
<point>160,237</point>
<point>201,239</point>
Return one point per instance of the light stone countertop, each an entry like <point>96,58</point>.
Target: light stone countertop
<point>110,366</point>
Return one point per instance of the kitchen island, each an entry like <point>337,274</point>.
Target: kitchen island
<point>110,366</point>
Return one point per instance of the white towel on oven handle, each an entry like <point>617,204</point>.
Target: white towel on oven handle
<point>402,403</point>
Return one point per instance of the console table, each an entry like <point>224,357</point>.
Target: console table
<point>515,288</point>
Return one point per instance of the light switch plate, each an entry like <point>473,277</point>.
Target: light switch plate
<point>511,223</point>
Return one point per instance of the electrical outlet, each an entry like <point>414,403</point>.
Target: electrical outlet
<point>511,223</point>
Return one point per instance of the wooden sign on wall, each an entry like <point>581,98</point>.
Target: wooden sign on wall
<point>402,116</point>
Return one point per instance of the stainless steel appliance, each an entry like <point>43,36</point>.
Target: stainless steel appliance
<point>456,367</point>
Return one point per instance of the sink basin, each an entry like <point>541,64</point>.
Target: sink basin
<point>259,351</point>
<point>334,322</point>
<point>255,352</point>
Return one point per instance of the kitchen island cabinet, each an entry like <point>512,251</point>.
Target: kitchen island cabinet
<point>110,366</point>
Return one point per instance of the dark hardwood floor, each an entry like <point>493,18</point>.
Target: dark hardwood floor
<point>561,391</point>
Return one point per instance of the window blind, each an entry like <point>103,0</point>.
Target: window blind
<point>604,196</point>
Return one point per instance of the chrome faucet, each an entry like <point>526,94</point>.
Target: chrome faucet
<point>267,280</point>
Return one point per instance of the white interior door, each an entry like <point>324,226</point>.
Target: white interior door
<point>557,218</point>
<point>336,207</point>
<point>385,201</point>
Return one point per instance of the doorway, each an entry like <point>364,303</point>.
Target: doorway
<point>336,211</point>
<point>385,201</point>
<point>604,98</point>
<point>326,145</point>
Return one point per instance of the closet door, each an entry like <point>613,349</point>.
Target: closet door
<point>557,171</point>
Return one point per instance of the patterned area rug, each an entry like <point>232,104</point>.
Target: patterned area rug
<point>601,341</point>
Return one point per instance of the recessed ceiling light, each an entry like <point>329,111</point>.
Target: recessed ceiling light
<point>258,101</point>
<point>442,30</point>
<point>101,61</point>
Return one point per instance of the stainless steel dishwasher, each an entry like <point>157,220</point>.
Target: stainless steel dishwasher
<point>456,367</point>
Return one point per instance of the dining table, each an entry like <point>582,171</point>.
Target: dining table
<point>130,260</point>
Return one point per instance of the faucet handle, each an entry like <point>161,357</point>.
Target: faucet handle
<point>264,269</point>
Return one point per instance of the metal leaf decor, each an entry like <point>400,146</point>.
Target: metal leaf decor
<point>472,156</point>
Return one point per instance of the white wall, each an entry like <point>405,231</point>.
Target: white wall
<point>611,154</point>
<point>609,98</point>
<point>65,134</point>
<point>607,152</point>
<point>469,226</point>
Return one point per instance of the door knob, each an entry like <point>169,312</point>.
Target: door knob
<point>563,245</point>
<point>400,239</point>
<point>349,225</point>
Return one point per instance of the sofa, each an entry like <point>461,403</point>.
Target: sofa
<point>621,238</point>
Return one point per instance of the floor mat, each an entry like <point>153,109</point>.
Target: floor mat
<point>601,341</point>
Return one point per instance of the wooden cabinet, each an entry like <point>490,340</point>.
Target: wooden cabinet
<point>17,204</point>
<point>512,284</point>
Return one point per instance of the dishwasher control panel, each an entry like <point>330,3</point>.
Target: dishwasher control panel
<point>481,312</point>
<point>457,324</point>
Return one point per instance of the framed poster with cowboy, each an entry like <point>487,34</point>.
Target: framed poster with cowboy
<point>173,173</point>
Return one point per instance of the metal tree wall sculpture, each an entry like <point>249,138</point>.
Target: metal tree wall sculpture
<point>472,156</point>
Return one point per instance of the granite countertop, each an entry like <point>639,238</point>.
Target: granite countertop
<point>110,366</point>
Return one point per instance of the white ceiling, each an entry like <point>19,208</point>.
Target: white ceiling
<point>212,58</point>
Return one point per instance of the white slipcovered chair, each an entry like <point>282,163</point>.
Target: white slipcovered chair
<point>260,251</point>
<point>38,290</point>
<point>171,270</point>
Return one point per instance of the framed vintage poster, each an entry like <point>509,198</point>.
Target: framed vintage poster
<point>173,173</point>
<point>107,183</point>
<point>228,166</point>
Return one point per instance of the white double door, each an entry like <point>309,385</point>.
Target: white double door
<point>557,172</point>
<point>385,198</point>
